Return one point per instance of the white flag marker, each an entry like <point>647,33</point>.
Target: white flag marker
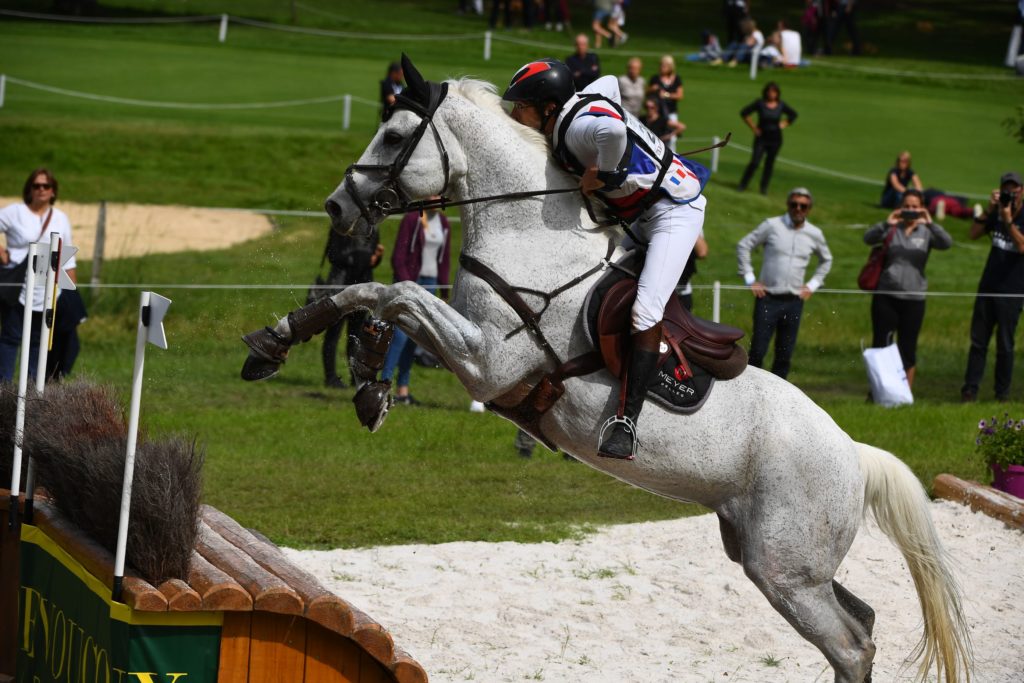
<point>152,308</point>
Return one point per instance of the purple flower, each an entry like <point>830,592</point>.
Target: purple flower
<point>981,425</point>
<point>1019,426</point>
<point>977,442</point>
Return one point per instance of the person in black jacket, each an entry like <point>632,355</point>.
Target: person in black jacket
<point>352,261</point>
<point>770,111</point>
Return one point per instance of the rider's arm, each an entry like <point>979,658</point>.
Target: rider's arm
<point>600,141</point>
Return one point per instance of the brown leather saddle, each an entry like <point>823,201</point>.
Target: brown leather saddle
<point>712,345</point>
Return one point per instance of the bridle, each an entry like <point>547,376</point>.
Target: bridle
<point>390,199</point>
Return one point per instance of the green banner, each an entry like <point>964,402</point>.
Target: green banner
<point>70,631</point>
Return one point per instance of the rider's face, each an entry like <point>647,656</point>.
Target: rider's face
<point>527,114</point>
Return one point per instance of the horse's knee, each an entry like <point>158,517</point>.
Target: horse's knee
<point>730,539</point>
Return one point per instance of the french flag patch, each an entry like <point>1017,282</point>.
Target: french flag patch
<point>680,173</point>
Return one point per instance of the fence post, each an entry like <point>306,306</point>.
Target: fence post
<point>346,112</point>
<point>223,28</point>
<point>98,245</point>
<point>3,87</point>
<point>716,301</point>
<point>755,57</point>
<point>1013,46</point>
<point>714,154</point>
<point>487,46</point>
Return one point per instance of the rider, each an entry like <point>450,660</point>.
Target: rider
<point>652,191</point>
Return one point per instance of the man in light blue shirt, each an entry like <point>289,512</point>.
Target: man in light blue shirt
<point>789,242</point>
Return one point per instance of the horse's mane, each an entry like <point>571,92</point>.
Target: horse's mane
<point>485,96</point>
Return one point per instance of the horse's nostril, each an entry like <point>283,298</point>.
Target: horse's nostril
<point>333,208</point>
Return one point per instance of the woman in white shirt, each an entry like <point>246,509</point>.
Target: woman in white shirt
<point>23,223</point>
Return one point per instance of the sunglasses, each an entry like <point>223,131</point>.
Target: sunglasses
<point>799,205</point>
<point>41,186</point>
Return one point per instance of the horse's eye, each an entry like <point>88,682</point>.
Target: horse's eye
<point>392,138</point>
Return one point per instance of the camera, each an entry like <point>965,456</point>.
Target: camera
<point>1005,198</point>
<point>907,214</point>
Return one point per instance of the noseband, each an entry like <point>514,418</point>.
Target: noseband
<point>390,198</point>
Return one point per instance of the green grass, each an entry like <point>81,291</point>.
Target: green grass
<point>287,456</point>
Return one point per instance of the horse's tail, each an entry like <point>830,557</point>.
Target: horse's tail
<point>900,506</point>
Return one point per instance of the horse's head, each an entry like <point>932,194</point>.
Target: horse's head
<point>406,160</point>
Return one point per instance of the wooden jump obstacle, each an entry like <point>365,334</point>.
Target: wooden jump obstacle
<point>1002,506</point>
<point>271,621</point>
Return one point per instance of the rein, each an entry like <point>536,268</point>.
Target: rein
<point>510,294</point>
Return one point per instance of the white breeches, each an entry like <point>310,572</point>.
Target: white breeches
<point>671,231</point>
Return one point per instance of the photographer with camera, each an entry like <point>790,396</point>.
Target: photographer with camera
<point>1003,274</point>
<point>897,306</point>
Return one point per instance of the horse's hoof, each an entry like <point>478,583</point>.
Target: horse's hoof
<point>256,368</point>
<point>373,400</point>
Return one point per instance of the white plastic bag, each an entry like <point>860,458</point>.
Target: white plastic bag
<point>887,377</point>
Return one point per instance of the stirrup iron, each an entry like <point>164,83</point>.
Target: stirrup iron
<point>630,427</point>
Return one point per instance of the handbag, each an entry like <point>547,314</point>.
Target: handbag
<point>70,310</point>
<point>11,277</point>
<point>888,379</point>
<point>871,273</point>
<point>318,291</point>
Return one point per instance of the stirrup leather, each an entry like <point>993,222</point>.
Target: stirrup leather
<point>630,427</point>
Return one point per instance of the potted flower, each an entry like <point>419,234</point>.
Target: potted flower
<point>1001,444</point>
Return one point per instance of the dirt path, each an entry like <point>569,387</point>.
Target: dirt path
<point>139,229</point>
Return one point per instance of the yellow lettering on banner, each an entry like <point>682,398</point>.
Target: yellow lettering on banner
<point>72,658</point>
<point>28,638</point>
<point>55,659</point>
<point>143,676</point>
<point>175,677</point>
<point>120,674</point>
<point>100,655</point>
<point>83,666</point>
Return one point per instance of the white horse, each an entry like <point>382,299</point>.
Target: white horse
<point>789,487</point>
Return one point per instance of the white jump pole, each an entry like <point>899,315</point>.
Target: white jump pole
<point>45,325</point>
<point>19,419</point>
<point>223,35</point>
<point>714,154</point>
<point>151,311</point>
<point>346,112</point>
<point>1011,48</point>
<point>487,46</point>
<point>716,301</point>
<point>3,88</point>
<point>755,57</point>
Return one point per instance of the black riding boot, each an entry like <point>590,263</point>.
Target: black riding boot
<point>618,435</point>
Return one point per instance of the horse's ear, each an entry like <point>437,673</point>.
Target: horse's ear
<point>413,79</point>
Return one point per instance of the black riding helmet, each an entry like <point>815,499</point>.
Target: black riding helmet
<point>545,80</point>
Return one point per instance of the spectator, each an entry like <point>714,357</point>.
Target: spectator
<point>1003,274</point>
<point>603,24</point>
<point>813,24</point>
<point>844,13</point>
<point>897,306</point>
<point>711,49</point>
<point>23,223</point>
<point>789,241</point>
<point>467,6</point>
<point>770,110</point>
<point>422,254</point>
<point>667,86</point>
<point>658,122</point>
<point>391,86</point>
<point>352,261</point>
<point>632,88</point>
<point>700,251</point>
<point>735,12</point>
<point>584,65</point>
<point>791,45</point>
<point>897,180</point>
<point>742,51</point>
<point>557,11</point>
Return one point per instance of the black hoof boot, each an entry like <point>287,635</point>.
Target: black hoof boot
<point>373,401</point>
<point>267,352</point>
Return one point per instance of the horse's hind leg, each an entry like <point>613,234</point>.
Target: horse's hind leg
<point>859,610</point>
<point>816,613</point>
